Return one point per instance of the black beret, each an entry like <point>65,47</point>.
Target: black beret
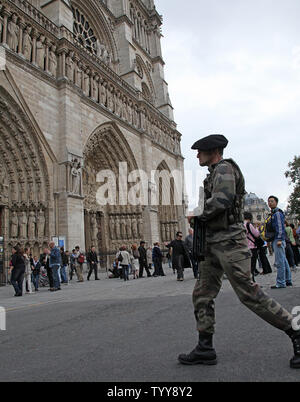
<point>211,142</point>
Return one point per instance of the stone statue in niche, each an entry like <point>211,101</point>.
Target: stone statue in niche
<point>118,104</point>
<point>23,225</point>
<point>78,75</point>
<point>31,225</point>
<point>75,177</point>
<point>13,33</point>
<point>40,52</point>
<point>52,61</point>
<point>123,227</point>
<point>103,53</point>
<point>96,88</point>
<point>128,227</point>
<point>3,185</point>
<point>140,227</point>
<point>41,220</point>
<point>135,116</point>
<point>112,227</point>
<point>118,228</point>
<point>27,44</point>
<point>94,229</point>
<point>110,99</point>
<point>130,111</point>
<point>134,227</point>
<point>124,109</point>
<point>14,225</point>
<point>70,66</point>
<point>103,93</point>
<point>86,85</point>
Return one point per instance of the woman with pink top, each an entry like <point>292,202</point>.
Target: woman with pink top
<point>252,234</point>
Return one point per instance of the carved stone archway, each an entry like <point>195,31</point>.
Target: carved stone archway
<point>108,227</point>
<point>24,180</point>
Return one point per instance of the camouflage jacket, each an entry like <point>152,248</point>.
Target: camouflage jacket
<point>224,190</point>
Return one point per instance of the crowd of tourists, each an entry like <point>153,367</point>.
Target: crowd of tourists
<point>56,266</point>
<point>276,236</point>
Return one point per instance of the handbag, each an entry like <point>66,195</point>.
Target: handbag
<point>258,241</point>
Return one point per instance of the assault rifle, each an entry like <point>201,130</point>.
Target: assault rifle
<point>199,239</point>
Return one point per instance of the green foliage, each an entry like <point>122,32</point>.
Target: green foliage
<point>294,175</point>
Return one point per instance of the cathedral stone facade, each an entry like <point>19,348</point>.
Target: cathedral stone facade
<point>82,89</point>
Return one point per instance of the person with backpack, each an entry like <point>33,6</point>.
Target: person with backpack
<point>275,232</point>
<point>79,260</point>
<point>73,257</point>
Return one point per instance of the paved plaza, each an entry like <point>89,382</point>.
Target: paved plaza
<point>110,330</point>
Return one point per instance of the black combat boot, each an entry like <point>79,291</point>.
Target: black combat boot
<point>295,337</point>
<point>204,353</point>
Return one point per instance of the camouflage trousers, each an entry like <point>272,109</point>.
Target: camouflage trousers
<point>233,258</point>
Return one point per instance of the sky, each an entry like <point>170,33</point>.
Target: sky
<point>233,68</point>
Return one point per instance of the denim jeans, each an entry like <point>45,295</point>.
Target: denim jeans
<point>56,282</point>
<point>125,269</point>
<point>35,280</point>
<point>284,275</point>
<point>63,274</point>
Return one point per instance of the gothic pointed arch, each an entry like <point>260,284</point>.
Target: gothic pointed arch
<point>24,180</point>
<point>108,226</point>
<point>148,89</point>
<point>90,25</point>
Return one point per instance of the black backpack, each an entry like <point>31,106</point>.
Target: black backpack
<point>270,233</point>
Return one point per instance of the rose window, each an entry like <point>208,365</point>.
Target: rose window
<point>83,31</point>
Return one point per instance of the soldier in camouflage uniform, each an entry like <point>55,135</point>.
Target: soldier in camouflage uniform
<point>227,252</point>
